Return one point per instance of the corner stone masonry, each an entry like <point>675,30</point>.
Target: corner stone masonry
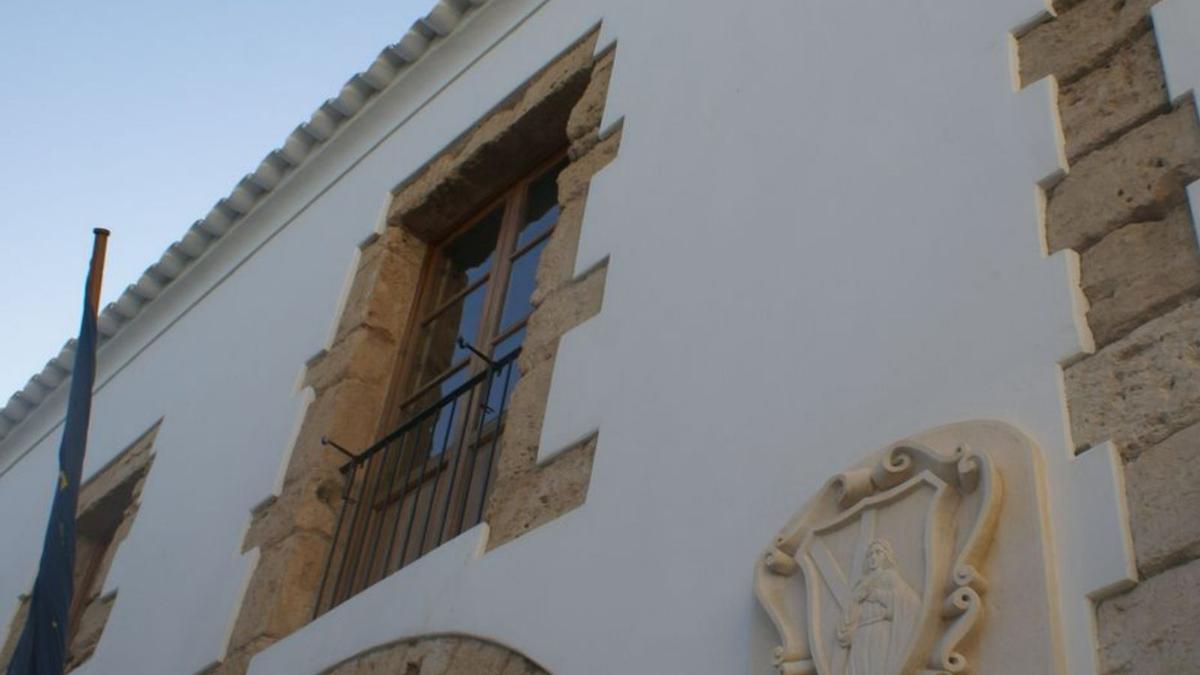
<point>1123,207</point>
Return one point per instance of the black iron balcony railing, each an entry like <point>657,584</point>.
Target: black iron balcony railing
<point>418,486</point>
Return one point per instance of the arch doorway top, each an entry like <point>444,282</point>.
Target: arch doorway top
<point>438,655</point>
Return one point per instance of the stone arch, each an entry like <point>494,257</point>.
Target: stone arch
<point>438,655</point>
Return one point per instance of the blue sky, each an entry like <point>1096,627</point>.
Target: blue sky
<point>137,116</point>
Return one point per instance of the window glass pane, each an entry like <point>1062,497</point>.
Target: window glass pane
<point>521,281</point>
<point>468,257</point>
<point>438,346</point>
<point>442,434</point>
<point>500,392</point>
<point>508,344</point>
<point>542,210</point>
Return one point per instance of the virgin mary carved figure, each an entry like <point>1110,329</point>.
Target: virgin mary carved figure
<point>878,623</point>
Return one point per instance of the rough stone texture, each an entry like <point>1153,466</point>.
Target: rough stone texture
<point>89,630</point>
<point>441,655</point>
<point>565,308</point>
<point>1123,206</point>
<point>1138,272</point>
<point>510,140</point>
<point>1140,176</point>
<point>282,589</point>
<point>1141,389</point>
<point>1163,489</point>
<point>1152,629</point>
<point>110,551</point>
<point>557,265</point>
<point>1114,97</point>
<point>526,495</point>
<point>1080,37</point>
<point>583,126</point>
<point>310,506</point>
<point>1061,6</point>
<point>365,354</point>
<point>349,414</point>
<point>388,271</point>
<point>350,381</point>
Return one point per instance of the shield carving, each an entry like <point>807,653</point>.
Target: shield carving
<point>881,573</point>
<point>871,584</point>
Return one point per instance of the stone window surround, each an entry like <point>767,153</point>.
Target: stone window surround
<point>108,505</point>
<point>439,655</point>
<point>561,106</point>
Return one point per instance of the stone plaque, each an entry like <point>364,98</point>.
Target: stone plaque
<point>883,572</point>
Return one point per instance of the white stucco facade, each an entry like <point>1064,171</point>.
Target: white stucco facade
<point>822,233</point>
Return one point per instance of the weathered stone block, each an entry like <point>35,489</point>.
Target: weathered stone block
<point>477,657</point>
<point>583,126</point>
<point>545,493</point>
<point>1152,630</point>
<point>523,425</point>
<point>309,505</point>
<point>1114,97</point>
<point>1140,176</point>
<point>348,413</point>
<point>1141,389</point>
<point>573,181</point>
<point>282,589</point>
<point>90,627</point>
<point>557,264</point>
<point>562,310</point>
<point>370,260</point>
<point>437,655</point>
<point>431,656</point>
<point>1163,489</point>
<point>509,140</point>
<point>1138,272</point>
<point>385,284</point>
<point>1080,37</point>
<point>366,354</point>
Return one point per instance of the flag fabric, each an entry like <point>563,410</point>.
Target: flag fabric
<point>42,648</point>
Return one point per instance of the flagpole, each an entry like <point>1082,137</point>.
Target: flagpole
<point>96,269</point>
<point>42,648</point>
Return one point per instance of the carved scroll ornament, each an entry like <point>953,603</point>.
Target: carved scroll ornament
<point>881,573</point>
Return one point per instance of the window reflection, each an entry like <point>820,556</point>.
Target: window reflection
<point>542,209</point>
<point>521,282</point>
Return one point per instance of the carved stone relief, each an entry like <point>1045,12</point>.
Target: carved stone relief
<point>882,573</point>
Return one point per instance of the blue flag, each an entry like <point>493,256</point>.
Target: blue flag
<point>42,648</point>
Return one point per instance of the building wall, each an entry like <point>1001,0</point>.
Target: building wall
<point>822,235</point>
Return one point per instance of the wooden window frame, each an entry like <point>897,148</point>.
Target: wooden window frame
<point>404,390</point>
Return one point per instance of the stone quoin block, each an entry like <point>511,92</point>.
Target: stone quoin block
<point>1138,272</point>
<point>1140,176</point>
<point>1140,389</point>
